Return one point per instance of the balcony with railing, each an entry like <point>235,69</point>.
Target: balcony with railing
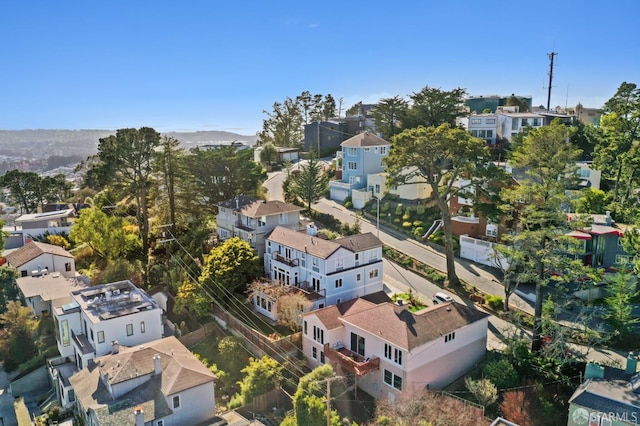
<point>350,360</point>
<point>285,260</point>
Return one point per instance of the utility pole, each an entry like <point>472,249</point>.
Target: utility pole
<point>328,381</point>
<point>551,56</point>
<point>318,139</point>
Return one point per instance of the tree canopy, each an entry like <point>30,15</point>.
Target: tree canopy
<point>309,184</point>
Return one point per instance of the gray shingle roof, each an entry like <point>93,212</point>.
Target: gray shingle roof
<point>365,139</point>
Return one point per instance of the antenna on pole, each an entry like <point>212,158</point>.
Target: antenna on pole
<point>551,56</point>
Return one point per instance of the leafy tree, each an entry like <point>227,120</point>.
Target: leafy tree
<point>229,347</point>
<point>283,126</point>
<point>354,109</point>
<point>516,101</point>
<point>586,138</point>
<point>24,188</point>
<point>523,407</point>
<point>8,286</point>
<point>621,290</point>
<point>261,376</point>
<point>483,390</point>
<point>118,269</point>
<point>502,373</point>
<point>433,107</point>
<point>592,201</point>
<point>221,174</point>
<point>126,160</point>
<point>290,303</point>
<point>3,235</point>
<point>310,183</point>
<point>440,156</point>
<point>58,240</point>
<point>390,115</point>
<point>17,335</point>
<point>309,403</point>
<point>191,296</point>
<point>230,266</point>
<point>268,154</point>
<point>548,162</point>
<point>617,153</point>
<point>170,163</point>
<point>103,233</point>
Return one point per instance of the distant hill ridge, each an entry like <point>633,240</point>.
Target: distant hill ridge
<point>89,138</point>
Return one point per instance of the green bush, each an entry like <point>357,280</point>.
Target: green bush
<point>348,204</point>
<point>417,223</point>
<point>384,207</point>
<point>397,220</point>
<point>502,373</point>
<point>419,231</point>
<point>420,210</point>
<point>494,302</point>
<point>406,216</point>
<point>406,224</point>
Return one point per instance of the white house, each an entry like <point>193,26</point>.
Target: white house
<point>510,122</point>
<point>251,219</point>
<point>54,222</point>
<point>99,320</point>
<point>46,292</point>
<point>483,126</point>
<point>329,271</point>
<point>161,384</point>
<point>35,259</point>
<point>390,350</point>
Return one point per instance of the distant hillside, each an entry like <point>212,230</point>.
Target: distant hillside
<point>40,143</point>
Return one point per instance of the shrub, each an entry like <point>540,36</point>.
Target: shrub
<point>406,224</point>
<point>420,210</point>
<point>384,207</point>
<point>417,223</point>
<point>348,204</point>
<point>406,216</point>
<point>397,220</point>
<point>494,302</point>
<point>502,373</point>
<point>419,231</point>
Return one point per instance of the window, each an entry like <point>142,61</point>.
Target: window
<point>67,266</point>
<point>357,344</point>
<point>449,337</point>
<point>352,165</point>
<point>474,133</point>
<point>393,379</point>
<point>383,150</point>
<point>475,121</point>
<point>482,134</point>
<point>584,173</point>
<point>377,188</point>
<point>64,325</point>
<point>357,257</point>
<point>339,283</point>
<point>490,121</point>
<point>373,273</point>
<point>24,273</point>
<point>489,133</point>
<point>314,352</point>
<point>315,284</point>
<point>318,334</point>
<point>358,277</point>
<point>373,255</point>
<point>536,122</point>
<point>622,259</point>
<point>525,122</point>
<point>321,357</point>
<point>100,336</point>
<point>393,354</point>
<point>282,218</point>
<point>352,152</point>
<point>142,327</point>
<point>339,263</point>
<point>305,326</point>
<point>262,221</point>
<point>129,329</point>
<point>91,334</point>
<point>176,401</point>
<point>514,124</point>
<point>492,230</point>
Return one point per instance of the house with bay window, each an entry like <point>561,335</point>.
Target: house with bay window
<point>326,271</point>
<point>251,219</point>
<point>99,320</point>
<point>389,350</point>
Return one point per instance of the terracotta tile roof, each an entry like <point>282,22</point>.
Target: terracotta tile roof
<point>407,330</point>
<point>33,249</point>
<point>365,139</point>
<point>320,247</point>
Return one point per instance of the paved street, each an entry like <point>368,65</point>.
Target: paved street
<point>7,413</point>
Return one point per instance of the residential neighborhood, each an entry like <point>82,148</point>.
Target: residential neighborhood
<point>267,214</point>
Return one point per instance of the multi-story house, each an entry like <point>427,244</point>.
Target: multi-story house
<point>324,135</point>
<point>390,350</point>
<point>416,188</point>
<point>36,259</point>
<point>599,244</point>
<point>608,396</point>
<point>44,293</point>
<point>97,321</point>
<point>329,271</point>
<point>483,126</point>
<point>361,156</point>
<point>510,122</point>
<point>54,222</point>
<point>251,219</point>
<point>159,384</point>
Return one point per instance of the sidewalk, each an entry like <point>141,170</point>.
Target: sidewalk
<point>483,278</point>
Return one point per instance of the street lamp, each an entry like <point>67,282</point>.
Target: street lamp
<point>377,213</point>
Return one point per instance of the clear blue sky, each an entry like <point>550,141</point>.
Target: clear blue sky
<point>216,65</point>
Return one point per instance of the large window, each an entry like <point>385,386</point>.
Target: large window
<point>475,121</point>
<point>101,336</point>
<point>393,354</point>
<point>339,283</point>
<point>357,344</point>
<point>352,152</point>
<point>352,165</point>
<point>129,329</point>
<point>318,334</point>
<point>393,379</point>
<point>64,325</point>
<point>176,401</point>
<point>314,352</point>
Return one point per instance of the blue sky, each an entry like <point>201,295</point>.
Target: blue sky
<point>216,65</point>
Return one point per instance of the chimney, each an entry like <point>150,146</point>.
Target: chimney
<point>312,230</point>
<point>607,218</point>
<point>593,371</point>
<point>139,415</point>
<point>632,364</point>
<point>115,347</point>
<point>157,365</point>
